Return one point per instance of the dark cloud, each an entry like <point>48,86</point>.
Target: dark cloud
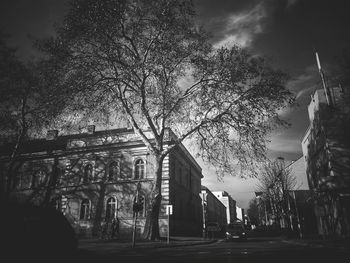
<point>24,20</point>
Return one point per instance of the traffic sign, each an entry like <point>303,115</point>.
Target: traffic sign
<point>169,209</point>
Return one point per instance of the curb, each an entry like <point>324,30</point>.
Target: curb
<point>186,244</point>
<point>144,245</point>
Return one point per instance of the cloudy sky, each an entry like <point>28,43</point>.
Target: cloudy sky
<point>287,31</point>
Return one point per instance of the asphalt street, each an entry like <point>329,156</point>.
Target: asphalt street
<point>251,250</point>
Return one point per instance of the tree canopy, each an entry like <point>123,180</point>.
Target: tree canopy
<point>151,64</point>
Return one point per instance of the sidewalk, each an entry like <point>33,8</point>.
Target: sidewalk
<point>123,246</point>
<point>326,243</point>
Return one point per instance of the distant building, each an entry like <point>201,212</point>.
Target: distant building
<point>93,176</point>
<point>300,201</point>
<point>240,213</point>
<point>213,210</point>
<point>229,203</point>
<point>326,151</point>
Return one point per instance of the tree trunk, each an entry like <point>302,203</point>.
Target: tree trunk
<point>10,174</point>
<point>96,227</point>
<point>151,231</point>
<point>52,183</point>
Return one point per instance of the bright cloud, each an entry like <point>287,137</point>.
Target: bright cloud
<point>305,83</point>
<point>242,28</point>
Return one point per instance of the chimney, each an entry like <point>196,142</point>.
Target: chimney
<point>51,135</point>
<point>91,129</point>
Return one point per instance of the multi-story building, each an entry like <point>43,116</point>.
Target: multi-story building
<point>95,176</point>
<point>229,203</point>
<point>214,212</point>
<point>326,151</point>
<point>300,205</point>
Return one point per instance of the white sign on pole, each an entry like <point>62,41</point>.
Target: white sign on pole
<point>169,209</point>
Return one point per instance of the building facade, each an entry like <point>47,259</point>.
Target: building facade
<point>240,214</point>
<point>95,176</point>
<point>326,151</point>
<point>300,204</point>
<point>229,203</point>
<point>214,212</point>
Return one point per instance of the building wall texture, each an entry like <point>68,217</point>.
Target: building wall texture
<point>229,203</point>
<point>214,211</point>
<point>327,154</point>
<point>94,176</point>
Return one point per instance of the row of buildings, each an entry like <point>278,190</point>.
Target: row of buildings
<point>94,176</point>
<point>319,202</point>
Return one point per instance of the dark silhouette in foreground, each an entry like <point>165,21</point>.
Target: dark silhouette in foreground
<point>33,232</point>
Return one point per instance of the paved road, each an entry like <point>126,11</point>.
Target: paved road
<point>251,250</point>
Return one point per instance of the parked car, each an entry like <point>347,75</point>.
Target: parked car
<point>235,231</point>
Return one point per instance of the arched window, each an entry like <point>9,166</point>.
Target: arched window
<point>110,208</point>
<point>85,209</point>
<point>139,169</point>
<point>87,173</point>
<point>113,171</point>
<point>38,178</point>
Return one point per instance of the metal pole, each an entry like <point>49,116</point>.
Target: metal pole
<point>296,209</point>
<point>204,212</point>
<point>134,230</point>
<point>290,214</point>
<point>265,213</point>
<point>135,219</point>
<point>326,89</point>
<point>168,227</point>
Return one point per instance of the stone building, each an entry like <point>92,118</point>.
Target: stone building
<point>326,151</point>
<point>214,212</point>
<point>94,176</point>
<point>229,203</point>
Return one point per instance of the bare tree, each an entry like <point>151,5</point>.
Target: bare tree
<point>276,181</point>
<point>253,212</point>
<point>21,109</point>
<point>149,62</point>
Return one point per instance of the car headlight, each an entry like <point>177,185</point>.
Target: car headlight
<point>228,234</point>
<point>243,234</point>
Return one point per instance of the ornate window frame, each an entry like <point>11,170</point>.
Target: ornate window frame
<point>137,166</point>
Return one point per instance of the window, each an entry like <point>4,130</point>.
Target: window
<point>139,169</point>
<point>110,208</point>
<point>113,171</point>
<point>38,178</point>
<point>85,209</point>
<point>87,173</point>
